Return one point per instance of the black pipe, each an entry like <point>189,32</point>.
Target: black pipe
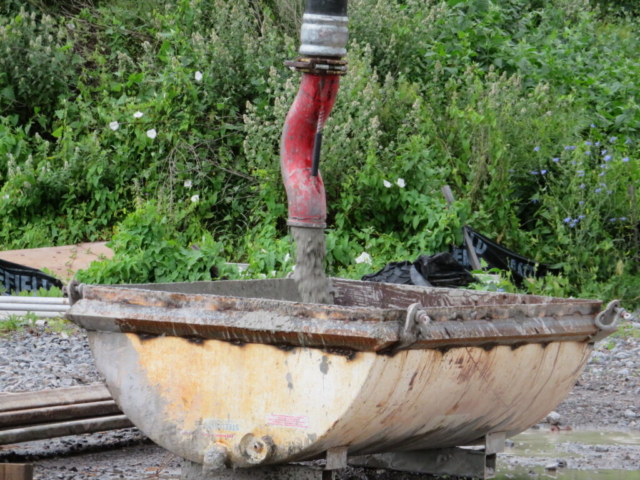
<point>336,8</point>
<point>317,146</point>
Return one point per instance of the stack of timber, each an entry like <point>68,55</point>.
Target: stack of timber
<point>46,414</point>
<point>43,307</point>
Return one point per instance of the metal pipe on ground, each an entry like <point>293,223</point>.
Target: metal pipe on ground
<point>62,429</point>
<point>34,300</point>
<point>32,307</point>
<point>21,313</point>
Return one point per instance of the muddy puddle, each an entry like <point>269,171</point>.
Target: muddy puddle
<point>573,455</point>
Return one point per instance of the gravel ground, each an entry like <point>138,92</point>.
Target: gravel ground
<point>607,396</point>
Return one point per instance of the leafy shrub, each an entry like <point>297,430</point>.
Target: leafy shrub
<point>36,65</point>
<point>169,126</point>
<point>147,250</point>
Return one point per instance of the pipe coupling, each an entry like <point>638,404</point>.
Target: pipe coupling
<point>324,35</point>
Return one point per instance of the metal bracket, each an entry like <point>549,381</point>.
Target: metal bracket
<point>607,320</point>
<point>494,442</point>
<point>336,458</point>
<point>318,65</point>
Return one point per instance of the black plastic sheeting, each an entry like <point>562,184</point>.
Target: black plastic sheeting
<point>327,7</point>
<point>440,270</point>
<point>500,257</point>
<point>16,278</point>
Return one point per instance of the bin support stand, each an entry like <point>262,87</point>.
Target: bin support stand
<point>471,462</point>
<point>193,471</point>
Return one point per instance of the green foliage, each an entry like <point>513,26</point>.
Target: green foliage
<point>147,250</point>
<point>42,292</point>
<point>159,123</point>
<point>15,323</point>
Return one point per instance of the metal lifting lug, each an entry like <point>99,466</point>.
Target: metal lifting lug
<point>414,327</point>
<point>74,291</point>
<point>607,320</point>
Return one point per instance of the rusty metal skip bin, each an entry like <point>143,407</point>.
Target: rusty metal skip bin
<point>241,374</point>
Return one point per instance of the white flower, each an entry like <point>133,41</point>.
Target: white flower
<point>188,184</point>
<point>114,126</point>
<point>198,76</point>
<point>364,257</point>
<point>386,184</point>
<point>287,257</point>
<point>401,183</point>
<point>195,198</point>
<point>6,196</point>
<point>152,133</point>
<point>138,114</point>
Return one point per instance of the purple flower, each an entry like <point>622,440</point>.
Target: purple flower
<point>628,142</point>
<point>573,162</point>
<point>567,220</point>
<point>604,152</point>
<point>593,125</point>
<point>601,175</point>
<point>534,173</point>
<point>542,172</point>
<point>603,166</point>
<point>622,219</point>
<point>580,217</point>
<point>580,173</point>
<point>598,190</point>
<point>587,153</point>
<point>613,139</point>
<point>597,144</point>
<point>588,143</point>
<point>612,219</point>
<point>536,149</point>
<point>581,202</point>
<point>556,159</point>
<point>625,159</point>
<point>534,200</point>
<point>582,185</point>
<point>609,192</point>
<point>607,158</point>
<point>511,170</point>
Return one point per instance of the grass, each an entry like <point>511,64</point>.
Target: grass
<point>22,323</point>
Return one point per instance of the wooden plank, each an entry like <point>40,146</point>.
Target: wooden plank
<point>60,396</point>
<point>34,416</point>
<point>62,429</point>
<point>16,471</point>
